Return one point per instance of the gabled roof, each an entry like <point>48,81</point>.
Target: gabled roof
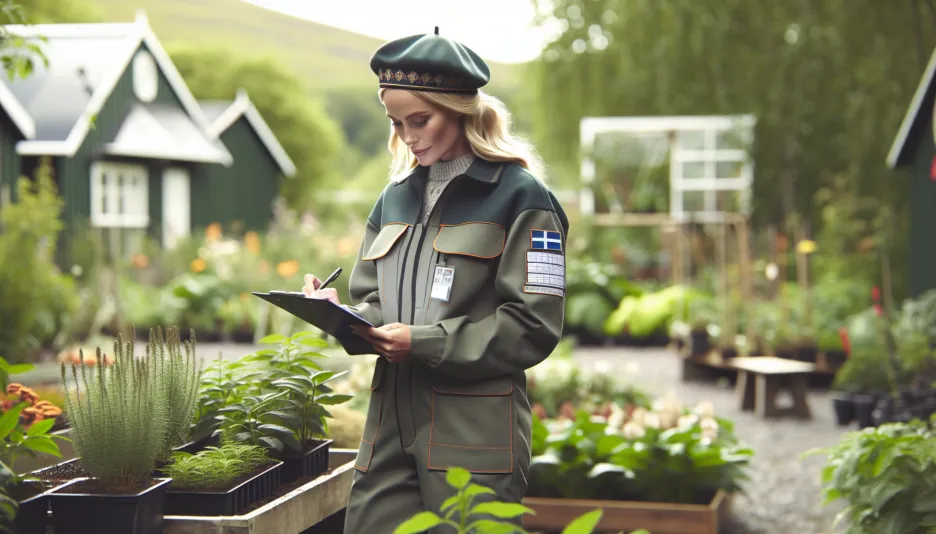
<point>86,61</point>
<point>223,114</point>
<point>163,131</point>
<point>915,120</point>
<point>18,114</point>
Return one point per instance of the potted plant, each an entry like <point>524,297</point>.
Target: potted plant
<point>179,373</point>
<point>889,491</point>
<point>220,481</point>
<point>120,420</point>
<point>805,348</point>
<point>293,391</point>
<point>832,346</point>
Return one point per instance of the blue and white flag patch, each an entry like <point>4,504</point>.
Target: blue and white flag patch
<point>545,240</point>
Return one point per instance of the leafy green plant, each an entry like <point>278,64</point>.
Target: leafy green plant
<point>306,400</point>
<point>119,415</point>
<point>885,475</point>
<point>215,467</point>
<point>223,383</point>
<point>179,371</point>
<point>685,463</point>
<point>461,513</point>
<point>255,420</point>
<point>9,506</point>
<point>17,440</point>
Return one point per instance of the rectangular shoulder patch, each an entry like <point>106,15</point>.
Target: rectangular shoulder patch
<point>545,240</point>
<point>545,273</point>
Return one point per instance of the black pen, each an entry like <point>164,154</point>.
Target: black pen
<point>331,278</point>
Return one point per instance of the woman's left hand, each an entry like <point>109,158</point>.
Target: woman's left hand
<point>392,341</point>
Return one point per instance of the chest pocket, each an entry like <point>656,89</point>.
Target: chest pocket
<point>385,251</point>
<point>473,251</point>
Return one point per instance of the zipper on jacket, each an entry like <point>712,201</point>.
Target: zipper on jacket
<point>396,372</point>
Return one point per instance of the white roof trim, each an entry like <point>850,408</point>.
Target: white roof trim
<point>141,34</point>
<point>910,117</point>
<point>17,112</point>
<point>243,106</point>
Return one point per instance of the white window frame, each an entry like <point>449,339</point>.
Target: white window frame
<point>134,195</point>
<point>709,156</point>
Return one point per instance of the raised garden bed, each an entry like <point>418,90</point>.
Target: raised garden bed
<point>552,515</point>
<point>294,507</point>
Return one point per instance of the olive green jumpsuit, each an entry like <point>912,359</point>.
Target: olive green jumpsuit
<point>460,399</point>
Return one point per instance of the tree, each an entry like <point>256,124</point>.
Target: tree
<point>308,135</point>
<point>828,80</point>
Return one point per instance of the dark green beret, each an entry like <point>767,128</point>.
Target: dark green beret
<point>429,63</point>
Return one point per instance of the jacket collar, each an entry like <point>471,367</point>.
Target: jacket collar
<point>481,170</point>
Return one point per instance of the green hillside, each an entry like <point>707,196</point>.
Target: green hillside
<point>325,57</point>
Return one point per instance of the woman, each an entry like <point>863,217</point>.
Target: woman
<point>462,274</point>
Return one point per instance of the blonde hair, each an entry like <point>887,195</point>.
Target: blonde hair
<point>487,126</point>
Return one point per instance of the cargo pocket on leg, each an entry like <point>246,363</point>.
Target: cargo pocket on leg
<point>374,416</point>
<point>472,425</point>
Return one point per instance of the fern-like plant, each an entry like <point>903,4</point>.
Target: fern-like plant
<point>119,415</point>
<point>179,374</point>
<point>215,467</point>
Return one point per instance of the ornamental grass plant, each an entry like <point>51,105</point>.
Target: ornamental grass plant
<point>121,415</point>
<point>178,375</point>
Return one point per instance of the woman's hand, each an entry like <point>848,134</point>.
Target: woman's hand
<point>392,341</point>
<point>311,289</point>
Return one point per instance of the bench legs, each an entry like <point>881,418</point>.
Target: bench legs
<point>758,393</point>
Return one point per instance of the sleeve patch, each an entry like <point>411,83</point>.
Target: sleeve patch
<point>545,273</point>
<point>545,240</point>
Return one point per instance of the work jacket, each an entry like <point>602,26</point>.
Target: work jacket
<point>493,255</point>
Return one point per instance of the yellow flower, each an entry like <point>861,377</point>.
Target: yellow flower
<point>198,265</point>
<point>140,261</point>
<point>806,246</point>
<point>252,242</point>
<point>287,269</point>
<point>213,232</point>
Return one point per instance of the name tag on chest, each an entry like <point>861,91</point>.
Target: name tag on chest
<point>442,283</point>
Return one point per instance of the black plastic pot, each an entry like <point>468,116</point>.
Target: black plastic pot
<point>729,353</point>
<point>864,408</point>
<point>33,514</point>
<point>93,513</point>
<point>310,464</point>
<point>835,358</point>
<point>230,502</point>
<point>844,405</point>
<point>699,342</point>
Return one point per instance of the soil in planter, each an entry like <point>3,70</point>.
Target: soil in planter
<point>63,472</point>
<point>283,490</point>
<point>95,487</point>
<point>21,492</point>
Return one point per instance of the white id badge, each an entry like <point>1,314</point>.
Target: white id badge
<point>442,283</point>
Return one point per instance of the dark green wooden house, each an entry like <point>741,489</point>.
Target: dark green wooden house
<point>258,158</point>
<point>132,150</point>
<point>914,148</point>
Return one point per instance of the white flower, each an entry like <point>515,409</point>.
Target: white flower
<point>709,434</point>
<point>668,419</point>
<point>705,409</point>
<point>617,417</point>
<point>685,422</point>
<point>652,420</point>
<point>633,430</point>
<point>708,424</point>
<point>638,415</point>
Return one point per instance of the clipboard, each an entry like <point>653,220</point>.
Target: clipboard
<point>331,318</point>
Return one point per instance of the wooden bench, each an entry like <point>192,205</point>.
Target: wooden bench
<point>761,378</point>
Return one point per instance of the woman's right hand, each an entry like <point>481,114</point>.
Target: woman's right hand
<point>311,289</point>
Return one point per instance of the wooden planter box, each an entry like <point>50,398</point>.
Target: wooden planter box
<point>658,518</point>
<point>298,510</point>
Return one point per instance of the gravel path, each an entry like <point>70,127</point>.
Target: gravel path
<point>783,495</point>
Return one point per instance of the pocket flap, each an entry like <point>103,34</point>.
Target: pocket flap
<point>383,243</point>
<point>494,387</point>
<point>476,239</point>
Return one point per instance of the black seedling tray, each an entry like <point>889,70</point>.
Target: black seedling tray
<point>225,503</point>
<point>311,463</point>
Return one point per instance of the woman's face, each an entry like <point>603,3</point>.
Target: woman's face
<point>432,133</point>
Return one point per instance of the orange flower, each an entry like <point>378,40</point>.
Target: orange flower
<point>140,261</point>
<point>252,242</point>
<point>213,232</point>
<point>287,269</point>
<point>6,405</point>
<point>198,265</point>
<point>14,388</point>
